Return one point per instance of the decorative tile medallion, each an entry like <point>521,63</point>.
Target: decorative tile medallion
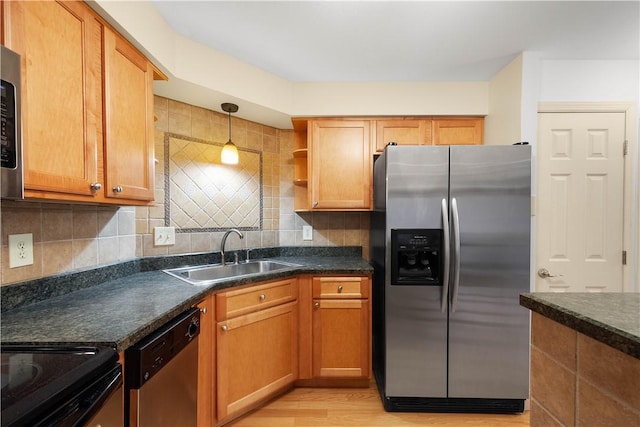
<point>202,194</point>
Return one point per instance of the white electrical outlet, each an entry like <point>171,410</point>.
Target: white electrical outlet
<point>20,250</point>
<point>164,236</point>
<point>307,232</point>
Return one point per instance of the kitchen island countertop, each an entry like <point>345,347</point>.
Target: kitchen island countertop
<point>611,318</point>
<point>121,311</point>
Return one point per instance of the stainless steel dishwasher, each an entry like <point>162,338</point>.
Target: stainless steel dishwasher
<point>161,375</point>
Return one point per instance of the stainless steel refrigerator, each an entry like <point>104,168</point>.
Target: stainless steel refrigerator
<point>450,249</point>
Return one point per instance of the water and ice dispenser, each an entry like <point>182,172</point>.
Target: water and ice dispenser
<point>416,257</point>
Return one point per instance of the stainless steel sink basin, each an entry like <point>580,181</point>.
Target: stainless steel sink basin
<point>212,273</point>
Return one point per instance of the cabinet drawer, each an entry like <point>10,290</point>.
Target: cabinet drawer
<point>246,300</point>
<point>340,287</point>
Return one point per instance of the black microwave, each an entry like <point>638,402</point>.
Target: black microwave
<point>10,126</point>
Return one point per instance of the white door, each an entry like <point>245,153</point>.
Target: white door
<point>580,202</point>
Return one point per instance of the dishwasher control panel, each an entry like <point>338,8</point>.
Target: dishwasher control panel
<point>152,353</point>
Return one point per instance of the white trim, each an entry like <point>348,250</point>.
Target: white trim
<point>631,271</point>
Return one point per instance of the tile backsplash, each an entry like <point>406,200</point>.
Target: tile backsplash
<point>72,237</point>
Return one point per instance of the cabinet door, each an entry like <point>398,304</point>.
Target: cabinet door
<point>128,91</point>
<point>340,165</point>
<point>206,364</point>
<point>341,338</point>
<point>256,356</point>
<point>461,131</point>
<point>60,45</point>
<point>402,132</point>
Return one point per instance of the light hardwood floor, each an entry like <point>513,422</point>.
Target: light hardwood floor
<point>358,407</point>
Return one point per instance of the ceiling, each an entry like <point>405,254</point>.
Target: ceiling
<point>397,41</point>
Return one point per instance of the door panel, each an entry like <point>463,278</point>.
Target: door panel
<point>580,201</point>
<point>488,329</point>
<point>416,329</point>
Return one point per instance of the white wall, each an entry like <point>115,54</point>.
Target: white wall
<point>589,81</point>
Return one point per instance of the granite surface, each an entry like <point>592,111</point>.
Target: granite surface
<point>120,309</point>
<point>611,318</point>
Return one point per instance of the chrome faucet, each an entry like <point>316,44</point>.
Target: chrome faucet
<point>224,241</point>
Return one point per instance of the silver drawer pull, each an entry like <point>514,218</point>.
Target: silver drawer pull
<point>224,328</point>
<point>316,305</point>
<point>340,289</point>
<point>95,186</point>
<point>117,189</point>
<point>263,297</point>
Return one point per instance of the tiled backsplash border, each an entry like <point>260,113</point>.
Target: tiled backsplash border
<point>167,185</point>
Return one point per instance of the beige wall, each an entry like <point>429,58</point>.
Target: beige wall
<point>503,125</point>
<point>70,237</point>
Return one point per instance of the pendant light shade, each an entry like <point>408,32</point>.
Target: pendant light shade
<point>229,155</point>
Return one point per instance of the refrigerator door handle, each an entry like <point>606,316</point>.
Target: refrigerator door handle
<point>455,226</point>
<point>447,260</point>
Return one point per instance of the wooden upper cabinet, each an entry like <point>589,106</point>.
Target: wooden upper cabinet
<point>458,131</point>
<point>128,153</point>
<point>402,132</point>
<point>340,165</point>
<point>87,105</point>
<point>61,81</point>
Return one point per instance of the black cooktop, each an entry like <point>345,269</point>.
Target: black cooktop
<point>39,378</point>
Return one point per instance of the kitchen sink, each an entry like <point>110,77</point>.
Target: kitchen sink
<point>208,274</point>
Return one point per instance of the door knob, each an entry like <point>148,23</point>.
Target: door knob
<point>544,273</point>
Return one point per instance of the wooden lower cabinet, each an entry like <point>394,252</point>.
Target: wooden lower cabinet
<point>335,330</point>
<point>259,340</point>
<point>341,338</point>
<point>206,363</point>
<point>257,356</point>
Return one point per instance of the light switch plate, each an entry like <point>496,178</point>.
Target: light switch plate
<point>20,250</point>
<point>164,236</point>
<point>307,232</point>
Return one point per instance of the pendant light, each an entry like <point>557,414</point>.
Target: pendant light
<point>229,155</point>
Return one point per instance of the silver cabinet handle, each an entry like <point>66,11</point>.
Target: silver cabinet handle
<point>544,273</point>
<point>316,305</point>
<point>340,289</point>
<point>455,226</point>
<point>447,248</point>
<point>315,204</point>
<point>224,328</point>
<point>262,297</point>
<point>203,310</point>
<point>117,189</point>
<point>95,186</point>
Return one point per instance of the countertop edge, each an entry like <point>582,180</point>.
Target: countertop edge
<point>604,333</point>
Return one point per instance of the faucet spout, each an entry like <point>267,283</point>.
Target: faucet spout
<point>224,241</point>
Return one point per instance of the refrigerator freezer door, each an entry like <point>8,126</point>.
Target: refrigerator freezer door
<point>488,330</point>
<point>416,328</point>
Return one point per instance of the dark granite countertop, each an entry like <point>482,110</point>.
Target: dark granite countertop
<point>120,311</point>
<point>611,318</point>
